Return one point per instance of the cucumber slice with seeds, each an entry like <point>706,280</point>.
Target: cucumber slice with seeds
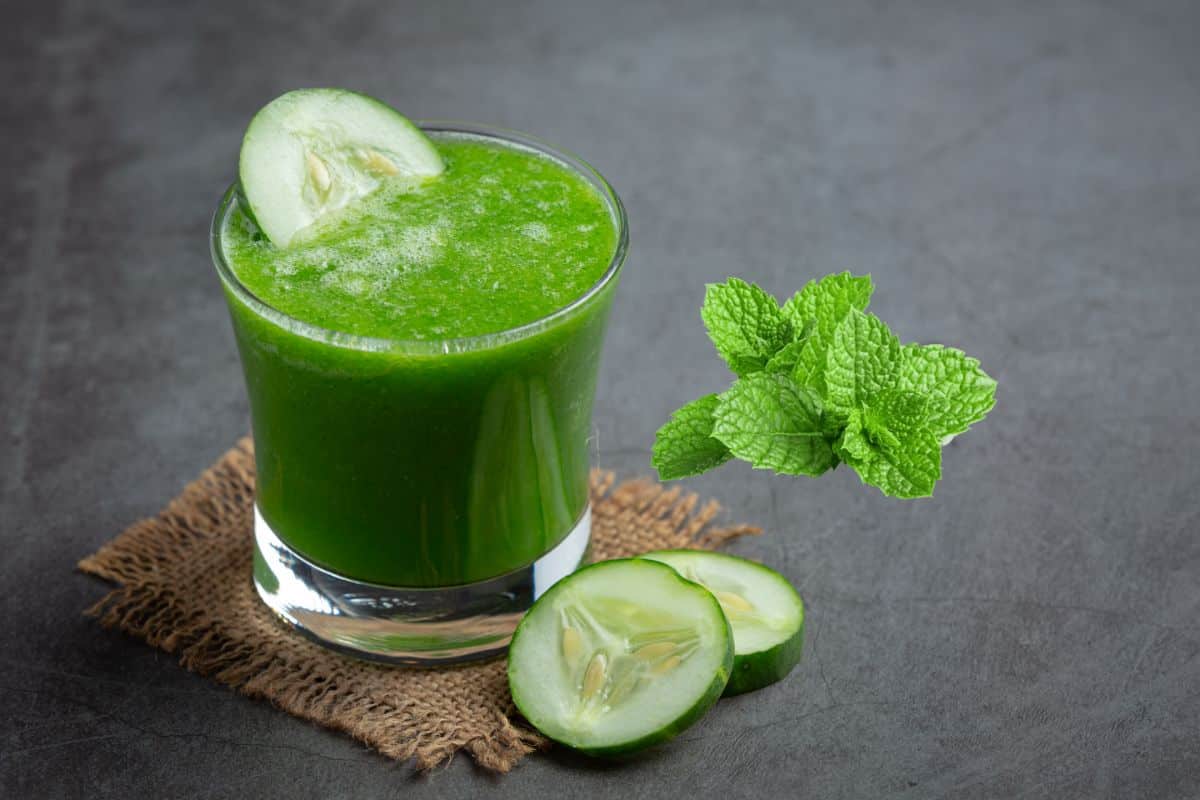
<point>764,611</point>
<point>621,655</point>
<point>311,152</point>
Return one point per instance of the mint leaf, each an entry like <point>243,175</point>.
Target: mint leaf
<point>897,410</point>
<point>745,324</point>
<point>960,393</point>
<point>877,423</point>
<point>890,445</point>
<point>908,470</point>
<point>862,360</point>
<point>685,445</point>
<point>772,422</point>
<point>852,445</point>
<point>827,300</point>
<point>786,359</point>
<point>821,305</point>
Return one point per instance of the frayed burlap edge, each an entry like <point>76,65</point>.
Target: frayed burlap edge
<point>184,587</point>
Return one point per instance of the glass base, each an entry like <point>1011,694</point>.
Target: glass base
<point>406,626</point>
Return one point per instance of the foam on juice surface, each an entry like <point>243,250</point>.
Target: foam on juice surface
<point>503,237</point>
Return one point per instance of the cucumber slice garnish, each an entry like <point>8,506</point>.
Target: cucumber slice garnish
<point>765,612</point>
<point>621,655</point>
<point>311,152</point>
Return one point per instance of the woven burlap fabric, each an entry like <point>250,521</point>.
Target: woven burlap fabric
<point>184,587</point>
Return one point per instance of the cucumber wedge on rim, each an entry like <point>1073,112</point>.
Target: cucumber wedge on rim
<point>764,611</point>
<point>619,656</point>
<point>311,152</point>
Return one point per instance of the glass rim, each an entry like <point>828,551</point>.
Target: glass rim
<point>440,346</point>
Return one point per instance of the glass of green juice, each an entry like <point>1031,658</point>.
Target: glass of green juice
<point>421,371</point>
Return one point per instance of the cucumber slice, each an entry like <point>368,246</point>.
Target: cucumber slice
<point>621,655</point>
<point>764,611</point>
<point>311,152</point>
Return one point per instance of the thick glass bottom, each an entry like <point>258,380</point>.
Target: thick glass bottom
<point>406,626</point>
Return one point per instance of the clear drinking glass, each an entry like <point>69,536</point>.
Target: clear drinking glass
<point>415,497</point>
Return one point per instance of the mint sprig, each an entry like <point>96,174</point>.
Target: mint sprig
<point>820,381</point>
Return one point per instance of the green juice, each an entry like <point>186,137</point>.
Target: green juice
<point>421,365</point>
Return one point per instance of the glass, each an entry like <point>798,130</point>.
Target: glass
<point>415,497</point>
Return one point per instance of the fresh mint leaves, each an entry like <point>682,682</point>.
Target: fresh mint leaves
<point>745,324</point>
<point>860,362</point>
<point>820,381</point>
<point>774,423</point>
<point>685,445</point>
<point>960,393</point>
<point>891,446</point>
<point>819,307</point>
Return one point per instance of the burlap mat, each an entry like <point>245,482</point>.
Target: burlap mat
<point>184,587</point>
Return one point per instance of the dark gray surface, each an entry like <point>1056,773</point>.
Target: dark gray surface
<point>1023,180</point>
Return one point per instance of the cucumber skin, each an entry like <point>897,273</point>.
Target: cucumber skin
<point>754,671</point>
<point>681,723</point>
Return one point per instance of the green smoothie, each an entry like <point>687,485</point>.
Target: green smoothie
<point>421,364</point>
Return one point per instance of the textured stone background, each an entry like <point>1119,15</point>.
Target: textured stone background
<point>1023,181</point>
